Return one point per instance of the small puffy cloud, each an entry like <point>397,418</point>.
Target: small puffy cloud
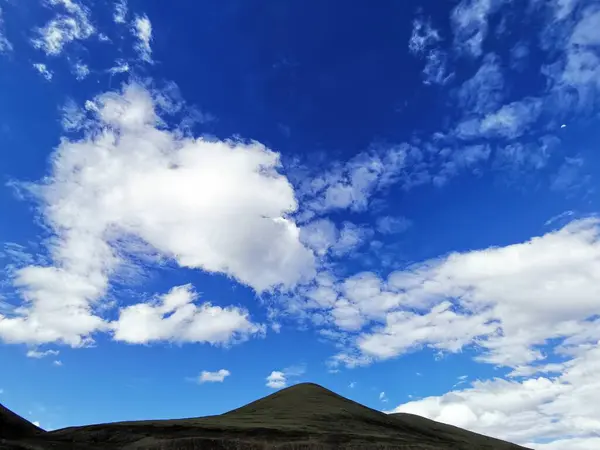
<point>57,363</point>
<point>383,397</point>
<point>42,69</point>
<point>280,378</point>
<point>175,317</point>
<point>276,380</point>
<point>213,377</point>
<point>37,354</point>
<point>142,30</point>
<point>71,23</point>
<point>80,70</point>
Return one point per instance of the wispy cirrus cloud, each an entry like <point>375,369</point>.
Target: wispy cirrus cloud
<point>424,43</point>
<point>120,11</point>
<point>5,44</point>
<point>142,30</point>
<point>71,23</point>
<point>41,354</point>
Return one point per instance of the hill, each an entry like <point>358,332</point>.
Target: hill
<point>305,416</point>
<point>13,426</point>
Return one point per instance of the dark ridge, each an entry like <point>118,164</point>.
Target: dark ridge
<point>13,426</point>
<point>302,417</point>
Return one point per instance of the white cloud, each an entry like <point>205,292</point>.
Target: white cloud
<point>351,237</point>
<point>121,67</point>
<point>276,380</point>
<point>564,8</point>
<point>213,377</point>
<point>280,378</point>
<point>559,217</point>
<point>559,411</point>
<point>132,186</point>
<point>383,397</point>
<point>423,43</point>
<point>73,118</point>
<point>509,122</point>
<point>484,91</point>
<point>436,68</point>
<point>350,185</point>
<point>57,363</point>
<point>512,120</point>
<point>120,12</point>
<point>37,354</point>
<point>5,44</point>
<point>579,68</point>
<point>423,37</point>
<point>569,176</point>
<point>320,235</point>
<point>71,24</point>
<point>142,30</point>
<point>80,70</point>
<point>470,24</point>
<point>519,55</point>
<point>393,225</point>
<point>508,301</point>
<point>36,423</point>
<point>175,317</point>
<point>43,71</point>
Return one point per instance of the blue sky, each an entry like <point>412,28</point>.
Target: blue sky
<point>205,202</point>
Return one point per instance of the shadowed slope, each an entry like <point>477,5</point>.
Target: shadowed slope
<point>13,426</point>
